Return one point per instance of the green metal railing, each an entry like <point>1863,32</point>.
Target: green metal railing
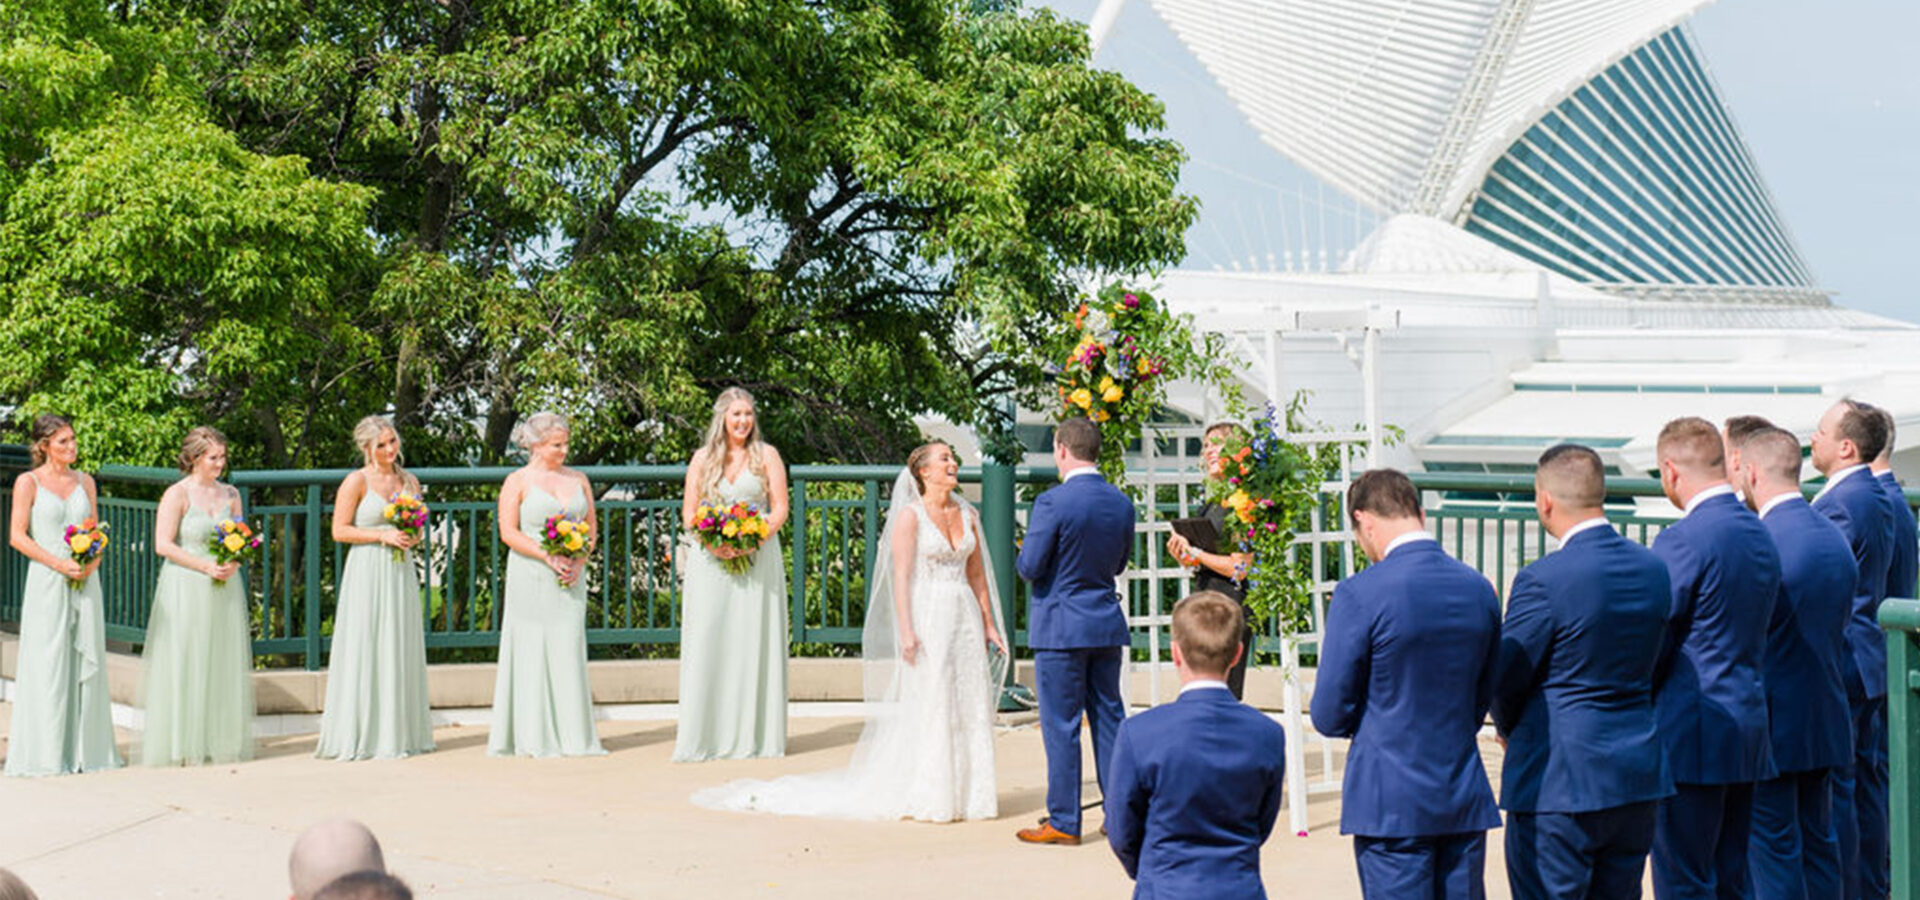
<point>1901,619</point>
<point>634,594</point>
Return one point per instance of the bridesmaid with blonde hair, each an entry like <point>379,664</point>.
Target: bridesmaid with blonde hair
<point>542,703</point>
<point>377,706</point>
<point>62,717</point>
<point>733,627</point>
<point>198,667</point>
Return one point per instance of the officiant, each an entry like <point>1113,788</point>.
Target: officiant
<point>1200,549</point>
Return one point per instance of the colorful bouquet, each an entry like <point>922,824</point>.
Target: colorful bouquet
<point>233,541</point>
<point>565,535</point>
<point>738,527</point>
<point>408,516</point>
<point>86,541</point>
<point>1269,486</point>
<point>1111,362</point>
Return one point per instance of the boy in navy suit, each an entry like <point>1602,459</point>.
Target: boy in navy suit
<point>1079,536</point>
<point>1794,851</point>
<point>1708,694</point>
<point>1584,769</point>
<point>1850,435</point>
<point>1406,672</point>
<point>1196,784</point>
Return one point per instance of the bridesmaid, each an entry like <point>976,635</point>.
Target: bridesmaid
<point>542,704</point>
<point>733,628</point>
<point>198,679</point>
<point>377,678</point>
<point>62,716</point>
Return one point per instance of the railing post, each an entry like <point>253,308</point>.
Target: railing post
<point>996,524</point>
<point>311,573</point>
<point>1901,619</point>
<point>797,584</point>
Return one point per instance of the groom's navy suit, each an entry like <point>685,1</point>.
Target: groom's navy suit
<point>1574,699</point>
<point>1079,536</point>
<point>1795,852</point>
<point>1859,505</point>
<point>1195,792</point>
<point>1710,698</point>
<point>1406,671</point>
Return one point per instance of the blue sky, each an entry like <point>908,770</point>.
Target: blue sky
<point>1828,95</point>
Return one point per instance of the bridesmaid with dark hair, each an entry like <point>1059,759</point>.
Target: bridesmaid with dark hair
<point>197,686</point>
<point>62,716</point>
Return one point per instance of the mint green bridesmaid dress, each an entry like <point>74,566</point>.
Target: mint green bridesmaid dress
<point>542,705</point>
<point>733,648</point>
<point>197,679</point>
<point>377,677</point>
<point>62,716</point>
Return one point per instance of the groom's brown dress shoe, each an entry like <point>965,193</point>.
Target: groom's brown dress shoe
<point>1046,834</point>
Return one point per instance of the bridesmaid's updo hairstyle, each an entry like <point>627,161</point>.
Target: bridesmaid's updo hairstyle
<point>367,432</point>
<point>918,458</point>
<point>45,426</point>
<point>197,443</point>
<point>538,427</point>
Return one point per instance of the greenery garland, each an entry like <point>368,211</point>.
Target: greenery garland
<point>1270,486</point>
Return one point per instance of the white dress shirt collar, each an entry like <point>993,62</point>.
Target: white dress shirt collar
<point>1202,684</point>
<point>1838,477</point>
<point>1708,494</point>
<point>1077,472</point>
<point>1404,540</point>
<point>1583,525</point>
<point>1784,496</point>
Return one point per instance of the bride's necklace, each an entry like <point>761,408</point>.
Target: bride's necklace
<point>944,517</point>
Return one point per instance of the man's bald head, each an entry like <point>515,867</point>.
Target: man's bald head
<point>325,852</point>
<point>1886,449</point>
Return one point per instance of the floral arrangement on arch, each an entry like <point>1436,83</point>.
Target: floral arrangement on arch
<point>1112,360</point>
<point>1270,486</point>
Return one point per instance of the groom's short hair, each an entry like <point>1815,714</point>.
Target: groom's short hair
<point>1079,437</point>
<point>1206,625</point>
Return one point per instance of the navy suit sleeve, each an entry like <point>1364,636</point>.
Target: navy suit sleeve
<point>1340,691</point>
<point>1036,554</point>
<point>1127,808</point>
<point>1681,575</point>
<point>1270,804</point>
<point>1525,641</point>
<point>1483,696</point>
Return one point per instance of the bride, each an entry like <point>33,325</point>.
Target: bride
<point>926,751</point>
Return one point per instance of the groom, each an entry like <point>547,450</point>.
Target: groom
<point>1078,538</point>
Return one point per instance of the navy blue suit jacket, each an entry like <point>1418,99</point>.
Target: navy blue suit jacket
<point>1079,535</point>
<point>1195,787</point>
<point>1406,671</point>
<point>1707,688</point>
<point>1574,694</point>
<point>1903,562</point>
<point>1807,640</point>
<point>1858,504</point>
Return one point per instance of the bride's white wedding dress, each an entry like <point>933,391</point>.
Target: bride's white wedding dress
<point>926,752</point>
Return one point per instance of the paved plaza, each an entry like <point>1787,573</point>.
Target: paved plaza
<point>457,823</point>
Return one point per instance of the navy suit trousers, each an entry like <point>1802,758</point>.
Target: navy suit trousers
<point>1442,867</point>
<point>1700,843</point>
<point>1072,683</point>
<point>1860,806</point>
<point>1794,852</point>
<point>1599,855</point>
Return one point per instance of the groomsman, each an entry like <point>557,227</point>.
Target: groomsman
<point>1794,851</point>
<point>1708,694</point>
<point>1850,435</point>
<point>1406,671</point>
<point>1903,562</point>
<point>1573,699</point>
<point>1197,782</point>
